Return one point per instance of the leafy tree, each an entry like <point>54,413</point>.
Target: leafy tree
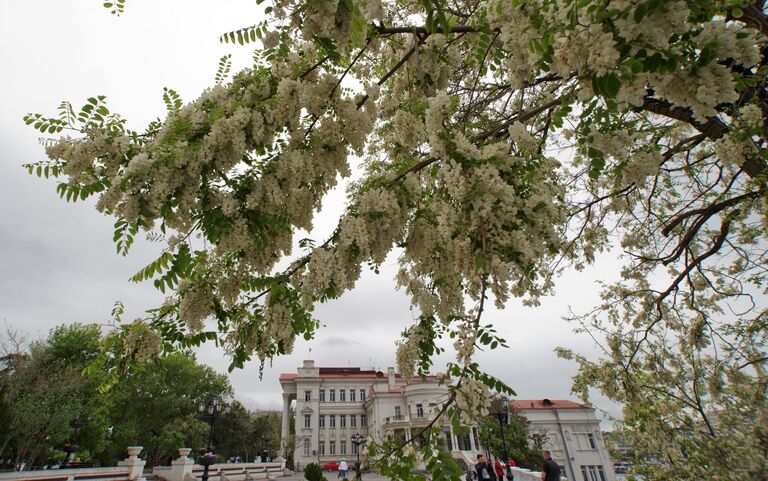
<point>501,142</point>
<point>52,402</point>
<point>521,447</point>
<point>170,389</point>
<point>266,432</point>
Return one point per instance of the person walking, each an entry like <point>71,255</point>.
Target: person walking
<point>550,471</point>
<point>343,469</point>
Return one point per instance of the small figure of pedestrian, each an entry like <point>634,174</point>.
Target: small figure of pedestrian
<point>343,469</point>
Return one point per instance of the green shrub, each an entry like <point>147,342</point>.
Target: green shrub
<point>313,472</point>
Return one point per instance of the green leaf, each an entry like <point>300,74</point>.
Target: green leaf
<point>609,84</point>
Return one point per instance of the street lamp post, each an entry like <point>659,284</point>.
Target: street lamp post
<point>265,439</point>
<point>210,411</point>
<point>71,448</point>
<point>357,440</point>
<point>503,417</point>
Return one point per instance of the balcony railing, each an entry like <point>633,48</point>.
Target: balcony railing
<point>395,419</point>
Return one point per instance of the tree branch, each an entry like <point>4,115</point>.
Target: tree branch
<point>423,30</point>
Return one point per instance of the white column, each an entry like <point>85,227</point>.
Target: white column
<point>134,464</point>
<point>285,432</point>
<point>182,467</point>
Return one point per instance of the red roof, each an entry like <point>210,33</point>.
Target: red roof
<point>546,404</point>
<point>337,373</point>
<point>356,372</point>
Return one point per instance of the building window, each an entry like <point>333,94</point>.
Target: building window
<point>322,395</point>
<point>352,421</point>
<point>447,442</point>
<point>355,448</point>
<point>397,413</point>
<point>362,394</point>
<point>593,473</point>
<point>322,421</point>
<point>342,447</point>
<point>464,442</point>
<point>363,420</point>
<point>307,421</point>
<point>332,448</point>
<point>333,420</point>
<point>419,411</point>
<point>307,395</point>
<point>321,448</point>
<point>591,440</point>
<point>564,473</point>
<point>342,421</point>
<point>352,395</point>
<point>474,437</point>
<point>332,395</point>
<point>306,447</point>
<point>342,395</point>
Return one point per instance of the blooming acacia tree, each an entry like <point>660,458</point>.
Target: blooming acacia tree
<point>501,141</point>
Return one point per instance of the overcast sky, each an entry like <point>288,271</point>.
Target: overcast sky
<point>58,262</point>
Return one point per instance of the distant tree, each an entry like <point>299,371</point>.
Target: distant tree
<point>161,397</point>
<point>266,432</point>
<point>50,402</point>
<point>64,390</point>
<point>233,434</point>
<point>519,442</point>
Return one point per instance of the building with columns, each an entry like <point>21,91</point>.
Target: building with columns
<point>334,403</point>
<point>571,432</point>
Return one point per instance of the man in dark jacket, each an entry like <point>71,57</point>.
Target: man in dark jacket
<point>484,469</point>
<point>550,471</point>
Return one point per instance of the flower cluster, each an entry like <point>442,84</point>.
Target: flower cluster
<point>473,400</point>
<point>141,341</point>
<point>737,146</point>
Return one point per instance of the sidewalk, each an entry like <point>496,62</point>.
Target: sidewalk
<point>332,477</point>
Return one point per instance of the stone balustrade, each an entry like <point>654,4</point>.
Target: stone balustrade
<point>185,469</point>
<point>527,475</point>
<point>130,469</point>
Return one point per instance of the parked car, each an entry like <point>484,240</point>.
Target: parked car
<point>621,467</point>
<point>331,466</point>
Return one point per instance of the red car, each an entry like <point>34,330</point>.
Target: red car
<point>332,466</point>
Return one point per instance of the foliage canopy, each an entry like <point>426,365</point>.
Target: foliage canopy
<point>54,395</point>
<point>501,141</point>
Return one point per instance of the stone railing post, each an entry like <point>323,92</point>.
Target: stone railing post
<point>182,466</point>
<point>134,464</point>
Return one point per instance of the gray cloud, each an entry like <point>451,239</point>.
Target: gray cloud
<point>338,341</point>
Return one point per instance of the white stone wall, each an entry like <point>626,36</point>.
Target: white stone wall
<point>566,433</point>
<point>315,408</point>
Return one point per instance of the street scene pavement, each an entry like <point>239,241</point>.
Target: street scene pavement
<point>332,477</point>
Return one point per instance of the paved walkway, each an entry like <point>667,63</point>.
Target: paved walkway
<point>332,477</point>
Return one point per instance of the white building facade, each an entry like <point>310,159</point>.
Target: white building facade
<point>332,404</point>
<point>571,432</point>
